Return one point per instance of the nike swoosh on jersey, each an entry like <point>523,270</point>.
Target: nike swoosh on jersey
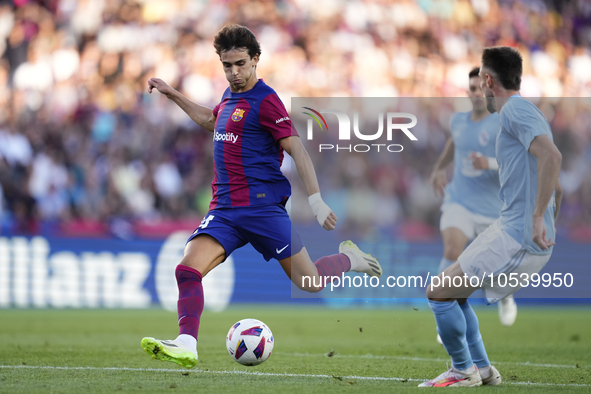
<point>281,250</point>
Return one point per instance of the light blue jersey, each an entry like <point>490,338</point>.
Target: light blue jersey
<point>476,190</point>
<point>521,122</point>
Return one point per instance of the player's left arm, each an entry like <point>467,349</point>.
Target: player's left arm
<point>549,160</point>
<point>294,147</point>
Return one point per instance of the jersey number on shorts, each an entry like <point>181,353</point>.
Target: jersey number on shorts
<point>206,221</point>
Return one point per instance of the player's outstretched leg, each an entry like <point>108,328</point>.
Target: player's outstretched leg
<point>507,311</point>
<point>350,258</point>
<point>489,374</point>
<point>183,349</point>
<point>313,277</point>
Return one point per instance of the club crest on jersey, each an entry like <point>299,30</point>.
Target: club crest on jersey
<point>483,138</point>
<point>237,115</point>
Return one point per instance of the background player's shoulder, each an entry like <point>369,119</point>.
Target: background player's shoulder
<point>458,118</point>
<point>462,115</point>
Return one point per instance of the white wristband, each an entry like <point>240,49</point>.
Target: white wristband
<point>493,164</point>
<point>319,208</point>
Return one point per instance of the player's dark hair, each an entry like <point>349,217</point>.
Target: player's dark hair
<point>236,37</point>
<point>506,63</point>
<point>474,72</point>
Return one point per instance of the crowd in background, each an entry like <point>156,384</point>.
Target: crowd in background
<point>81,140</point>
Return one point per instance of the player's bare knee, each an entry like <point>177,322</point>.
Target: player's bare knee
<point>197,264</point>
<point>187,261</point>
<point>441,291</point>
<point>432,292</point>
<point>191,264</point>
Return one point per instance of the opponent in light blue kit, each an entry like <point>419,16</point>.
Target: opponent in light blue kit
<point>517,244</point>
<point>471,201</point>
<point>251,130</point>
<point>475,189</point>
<point>521,123</point>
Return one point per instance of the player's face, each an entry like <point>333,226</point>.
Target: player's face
<point>485,81</point>
<point>239,69</point>
<point>476,95</point>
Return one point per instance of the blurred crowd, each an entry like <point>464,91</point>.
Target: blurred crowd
<point>82,140</point>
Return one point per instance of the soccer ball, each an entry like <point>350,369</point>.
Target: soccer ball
<point>250,342</point>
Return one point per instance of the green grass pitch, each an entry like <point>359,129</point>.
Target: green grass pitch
<point>98,351</point>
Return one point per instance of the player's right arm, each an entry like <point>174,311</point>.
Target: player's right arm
<point>438,177</point>
<point>201,115</point>
<point>294,147</point>
<point>549,160</point>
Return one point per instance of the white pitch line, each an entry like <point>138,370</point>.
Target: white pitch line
<point>254,373</point>
<point>405,358</point>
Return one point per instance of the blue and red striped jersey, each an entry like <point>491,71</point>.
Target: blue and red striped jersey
<point>246,153</point>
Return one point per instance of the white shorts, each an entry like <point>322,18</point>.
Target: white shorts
<point>471,224</point>
<point>494,251</point>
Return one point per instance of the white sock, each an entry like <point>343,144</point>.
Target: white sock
<point>485,372</point>
<point>353,260</point>
<point>188,342</point>
<point>467,371</point>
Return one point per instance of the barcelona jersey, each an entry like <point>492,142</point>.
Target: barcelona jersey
<point>246,153</point>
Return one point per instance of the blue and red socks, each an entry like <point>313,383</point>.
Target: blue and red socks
<point>333,265</point>
<point>190,303</point>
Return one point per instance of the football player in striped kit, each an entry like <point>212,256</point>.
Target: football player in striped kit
<point>251,131</point>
